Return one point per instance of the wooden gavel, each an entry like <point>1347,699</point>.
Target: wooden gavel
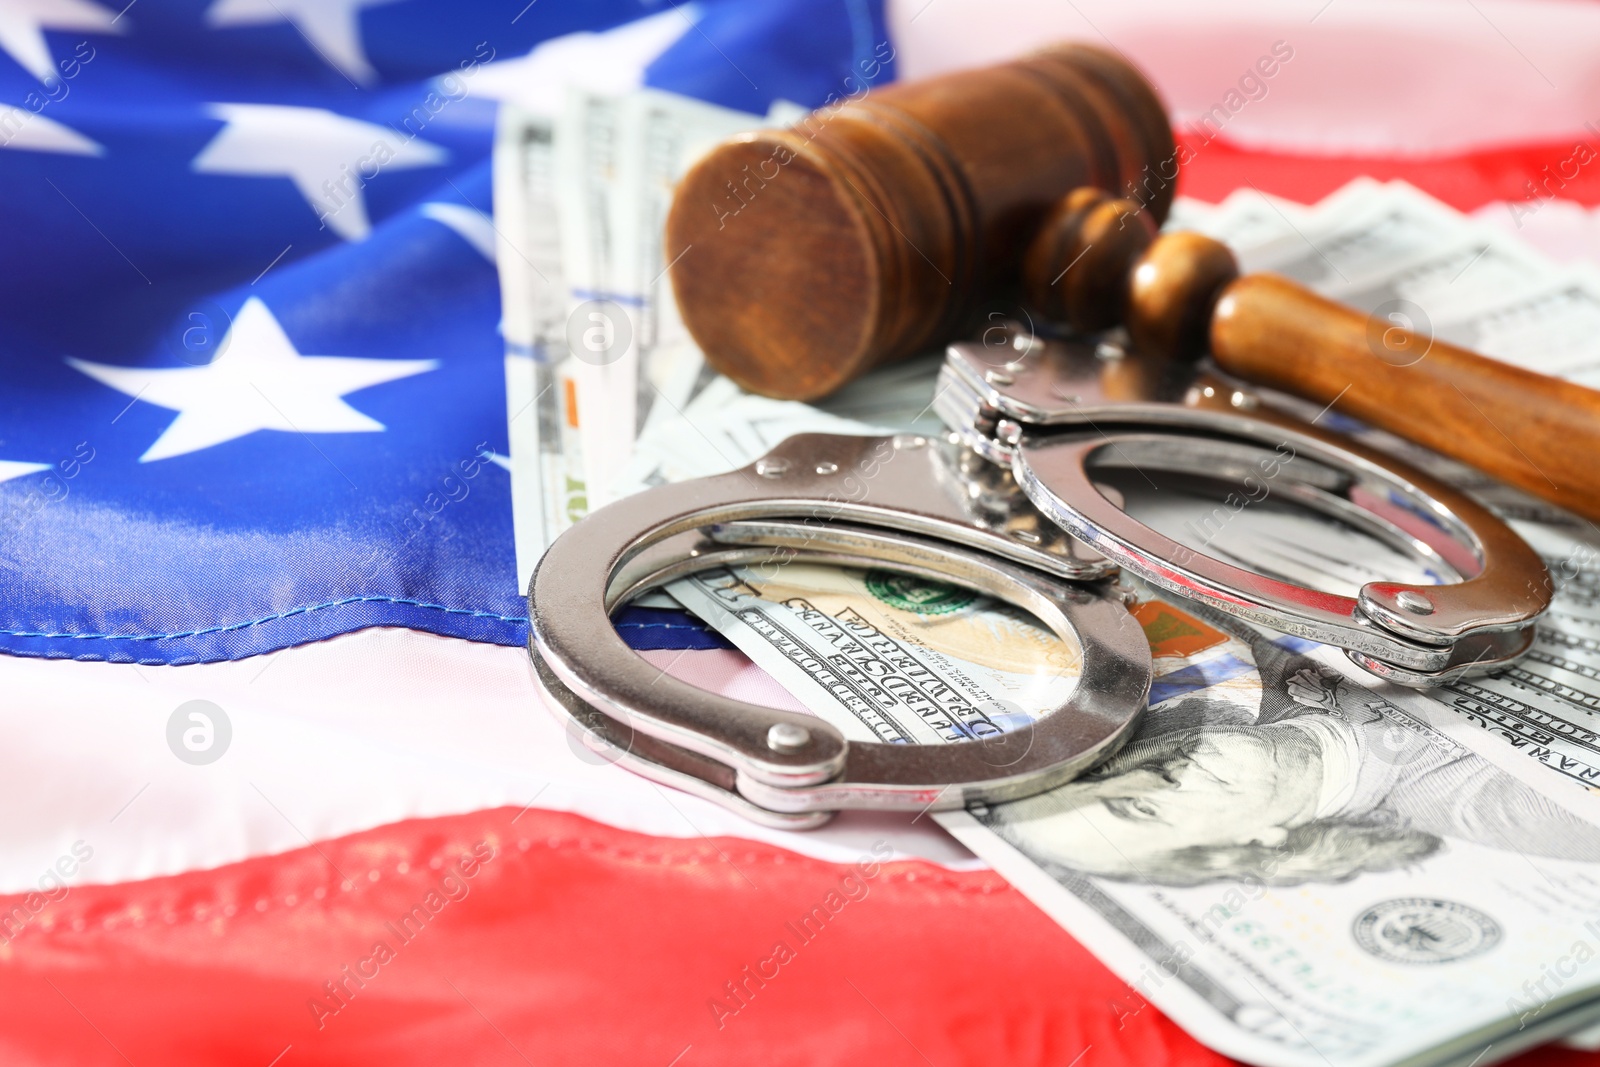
<point>802,258</point>
<point>1098,262</point>
<point>872,229</point>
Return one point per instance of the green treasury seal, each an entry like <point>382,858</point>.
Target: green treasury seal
<point>909,593</point>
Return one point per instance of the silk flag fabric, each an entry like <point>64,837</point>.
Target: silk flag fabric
<point>255,392</point>
<point>250,329</point>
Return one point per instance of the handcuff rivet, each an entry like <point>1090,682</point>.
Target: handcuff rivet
<point>827,468</point>
<point>770,467</point>
<point>998,377</point>
<point>1415,603</point>
<point>1027,537</point>
<point>787,737</point>
<point>1242,399</point>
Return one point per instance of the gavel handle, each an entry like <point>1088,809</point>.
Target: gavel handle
<point>1530,430</point>
<point>1180,293</point>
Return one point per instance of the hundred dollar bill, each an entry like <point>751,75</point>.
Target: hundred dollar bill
<point>1548,704</point>
<point>1394,251</point>
<point>601,349</point>
<point>1250,222</point>
<point>1291,860</point>
<point>723,427</point>
<point>1364,231</point>
<point>580,195</point>
<point>884,656</point>
<point>1322,875</point>
<point>547,479</point>
<point>618,159</point>
<point>1553,328</point>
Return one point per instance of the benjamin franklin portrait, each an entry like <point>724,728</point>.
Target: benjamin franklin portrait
<point>1324,780</point>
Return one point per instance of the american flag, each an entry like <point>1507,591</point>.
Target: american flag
<point>275,785</point>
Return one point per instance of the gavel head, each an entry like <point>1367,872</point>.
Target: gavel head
<point>872,230</point>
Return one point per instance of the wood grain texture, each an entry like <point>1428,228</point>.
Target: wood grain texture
<point>1530,430</point>
<point>1097,262</point>
<point>805,257</point>
<point>1076,269</point>
<point>1173,290</point>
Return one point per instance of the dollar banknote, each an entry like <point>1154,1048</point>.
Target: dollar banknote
<point>547,479</point>
<point>1247,221</point>
<point>1391,250</point>
<point>1322,875</point>
<point>885,656</point>
<point>1293,862</point>
<point>723,427</point>
<point>1545,707</point>
<point>595,348</point>
<point>617,160</point>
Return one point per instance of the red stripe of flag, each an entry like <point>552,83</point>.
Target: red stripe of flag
<point>1523,175</point>
<point>546,938</point>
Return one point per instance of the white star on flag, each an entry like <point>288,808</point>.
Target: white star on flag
<point>258,382</point>
<point>23,22</point>
<point>27,131</point>
<point>330,158</point>
<point>331,27</point>
<point>10,469</point>
<point>609,63</point>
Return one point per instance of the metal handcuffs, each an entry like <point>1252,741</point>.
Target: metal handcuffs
<point>1054,411</point>
<point>991,507</point>
<point>901,502</point>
